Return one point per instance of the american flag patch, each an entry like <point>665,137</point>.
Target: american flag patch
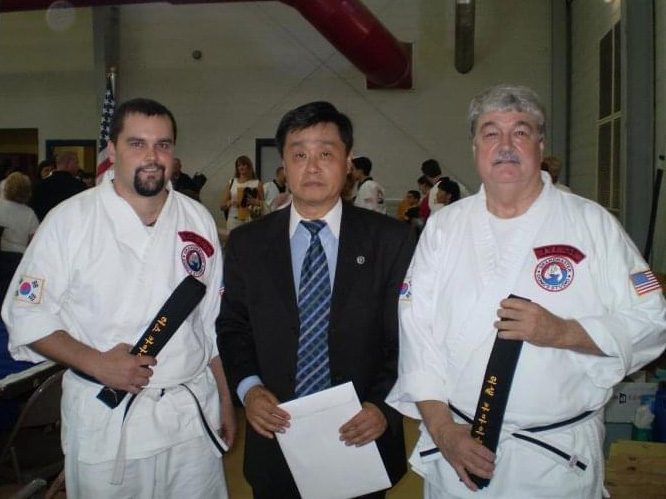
<point>644,282</point>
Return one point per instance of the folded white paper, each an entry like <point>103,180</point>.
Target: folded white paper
<point>322,465</point>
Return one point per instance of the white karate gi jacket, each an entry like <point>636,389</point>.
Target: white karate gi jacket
<point>370,196</point>
<point>567,254</point>
<point>94,270</point>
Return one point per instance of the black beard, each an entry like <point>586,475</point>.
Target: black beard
<point>150,187</point>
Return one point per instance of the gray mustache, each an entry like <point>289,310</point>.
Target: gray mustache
<point>506,157</point>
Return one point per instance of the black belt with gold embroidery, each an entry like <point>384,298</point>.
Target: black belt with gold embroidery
<point>494,395</point>
<point>173,313</point>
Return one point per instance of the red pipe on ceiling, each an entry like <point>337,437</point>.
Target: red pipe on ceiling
<point>347,24</point>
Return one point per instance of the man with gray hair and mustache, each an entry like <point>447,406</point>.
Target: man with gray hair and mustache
<point>491,336</point>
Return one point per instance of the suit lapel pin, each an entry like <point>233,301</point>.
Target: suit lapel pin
<point>360,260</point>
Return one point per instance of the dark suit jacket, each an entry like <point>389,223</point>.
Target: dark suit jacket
<point>54,190</point>
<point>258,326</point>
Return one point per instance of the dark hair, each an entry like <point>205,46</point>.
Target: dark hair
<point>363,163</point>
<point>147,107</point>
<point>430,168</point>
<point>424,180</point>
<point>309,115</point>
<point>47,163</point>
<point>451,187</point>
<point>416,194</point>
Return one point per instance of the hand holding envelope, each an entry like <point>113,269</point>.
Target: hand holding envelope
<point>263,413</point>
<point>322,465</point>
<point>364,427</point>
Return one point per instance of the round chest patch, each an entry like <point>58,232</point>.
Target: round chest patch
<point>193,259</point>
<point>554,273</point>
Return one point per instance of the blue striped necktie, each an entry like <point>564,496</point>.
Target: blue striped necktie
<point>314,303</point>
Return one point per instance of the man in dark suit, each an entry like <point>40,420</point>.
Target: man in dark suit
<point>262,329</point>
<point>60,185</point>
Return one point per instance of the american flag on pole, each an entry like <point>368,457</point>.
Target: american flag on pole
<point>108,108</point>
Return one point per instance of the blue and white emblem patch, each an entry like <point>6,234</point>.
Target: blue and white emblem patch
<point>554,273</point>
<point>194,260</point>
<point>29,289</point>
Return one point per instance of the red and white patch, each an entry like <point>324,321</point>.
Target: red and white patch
<point>192,237</point>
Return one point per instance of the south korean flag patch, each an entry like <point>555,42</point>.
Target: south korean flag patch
<point>29,290</point>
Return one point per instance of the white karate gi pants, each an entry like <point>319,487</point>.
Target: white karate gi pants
<point>189,469</point>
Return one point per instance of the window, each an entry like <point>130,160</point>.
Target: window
<point>609,186</point>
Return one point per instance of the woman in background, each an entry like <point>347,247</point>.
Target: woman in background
<point>18,222</point>
<point>243,196</point>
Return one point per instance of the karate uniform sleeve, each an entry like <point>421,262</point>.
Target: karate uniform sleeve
<point>39,287</point>
<point>387,374</point>
<point>210,306</point>
<point>421,365</point>
<point>632,332</point>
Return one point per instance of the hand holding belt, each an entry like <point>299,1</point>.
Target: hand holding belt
<point>494,395</point>
<point>173,313</point>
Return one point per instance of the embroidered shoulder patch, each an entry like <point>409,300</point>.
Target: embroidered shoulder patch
<point>29,289</point>
<point>644,282</point>
<point>192,237</point>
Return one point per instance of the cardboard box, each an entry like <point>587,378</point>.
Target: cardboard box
<point>625,400</point>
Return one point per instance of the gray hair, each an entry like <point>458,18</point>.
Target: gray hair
<point>505,98</point>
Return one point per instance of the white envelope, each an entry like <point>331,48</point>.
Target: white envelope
<point>322,465</point>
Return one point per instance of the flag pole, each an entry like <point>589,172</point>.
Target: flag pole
<point>108,108</point>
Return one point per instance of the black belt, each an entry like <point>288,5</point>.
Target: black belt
<point>173,313</point>
<point>106,389</point>
<point>494,395</point>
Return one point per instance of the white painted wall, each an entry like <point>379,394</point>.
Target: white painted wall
<point>261,59</point>
<point>46,76</point>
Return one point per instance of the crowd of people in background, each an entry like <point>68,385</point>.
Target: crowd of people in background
<point>244,196</point>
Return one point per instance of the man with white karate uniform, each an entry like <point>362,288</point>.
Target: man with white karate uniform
<point>369,192</point>
<point>595,314</point>
<point>96,273</point>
